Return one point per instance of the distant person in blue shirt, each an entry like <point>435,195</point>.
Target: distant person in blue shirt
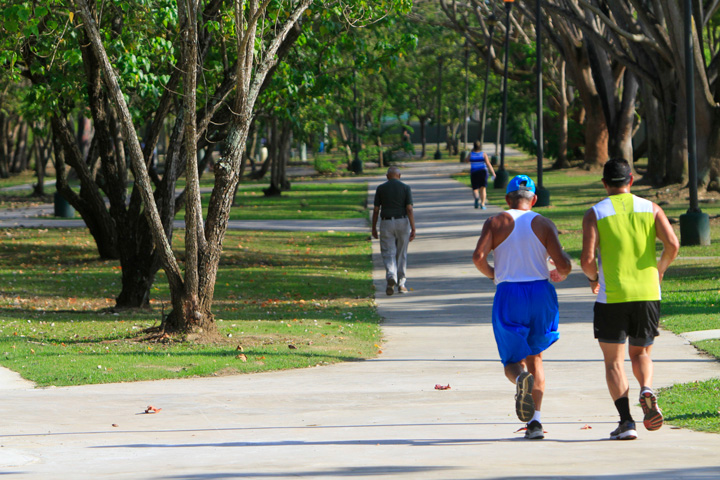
<point>479,167</point>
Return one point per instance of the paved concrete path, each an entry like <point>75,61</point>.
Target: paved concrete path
<point>380,418</point>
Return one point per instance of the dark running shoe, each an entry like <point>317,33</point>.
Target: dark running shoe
<point>625,431</point>
<point>390,289</point>
<point>477,202</point>
<point>524,404</point>
<point>534,431</point>
<point>653,419</point>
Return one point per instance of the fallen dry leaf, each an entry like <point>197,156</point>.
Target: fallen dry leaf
<point>240,348</point>
<point>292,347</point>
<point>586,427</point>
<point>242,357</point>
<point>442,387</point>
<point>115,425</point>
<point>151,409</point>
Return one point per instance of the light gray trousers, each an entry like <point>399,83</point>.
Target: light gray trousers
<point>394,239</point>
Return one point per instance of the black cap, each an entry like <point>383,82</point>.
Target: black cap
<point>617,171</point>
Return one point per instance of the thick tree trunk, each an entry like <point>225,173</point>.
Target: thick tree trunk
<point>596,138</point>
<point>655,135</point>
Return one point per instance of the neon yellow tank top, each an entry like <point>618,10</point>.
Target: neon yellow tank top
<point>627,257</point>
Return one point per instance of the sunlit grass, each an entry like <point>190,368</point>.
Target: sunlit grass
<point>288,300</point>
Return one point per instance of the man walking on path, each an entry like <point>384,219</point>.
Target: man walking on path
<point>626,277</point>
<point>394,205</point>
<point>525,312</point>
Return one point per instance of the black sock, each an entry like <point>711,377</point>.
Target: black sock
<point>623,407</point>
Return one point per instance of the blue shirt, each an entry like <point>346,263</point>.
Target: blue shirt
<point>477,161</point>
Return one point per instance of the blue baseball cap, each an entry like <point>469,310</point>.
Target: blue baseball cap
<point>521,182</point>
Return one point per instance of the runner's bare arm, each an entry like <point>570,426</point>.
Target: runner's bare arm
<point>411,218</point>
<point>483,249</point>
<point>547,233</point>
<point>376,213</point>
<point>666,234</point>
<point>588,259</point>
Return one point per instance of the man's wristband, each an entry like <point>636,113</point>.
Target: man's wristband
<point>597,277</point>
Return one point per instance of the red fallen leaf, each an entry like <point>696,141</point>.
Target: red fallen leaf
<point>151,409</point>
<point>442,387</point>
<point>586,427</point>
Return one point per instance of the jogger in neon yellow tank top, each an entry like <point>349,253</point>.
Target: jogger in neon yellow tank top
<point>619,259</point>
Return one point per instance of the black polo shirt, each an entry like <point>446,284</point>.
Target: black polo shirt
<point>393,197</point>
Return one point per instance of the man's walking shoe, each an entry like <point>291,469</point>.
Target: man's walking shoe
<point>402,289</point>
<point>477,202</point>
<point>653,419</point>
<point>524,404</point>
<point>625,431</point>
<point>534,431</point>
<point>390,289</point>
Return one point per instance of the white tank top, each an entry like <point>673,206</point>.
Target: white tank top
<point>521,257</point>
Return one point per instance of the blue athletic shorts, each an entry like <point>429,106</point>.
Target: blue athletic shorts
<point>525,319</point>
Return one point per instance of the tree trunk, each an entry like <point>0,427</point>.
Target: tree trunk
<point>423,132</point>
<point>622,126</point>
<point>655,135</point>
<point>42,154</point>
<point>562,160</point>
<point>4,150</point>
<point>20,154</point>
<point>346,143</point>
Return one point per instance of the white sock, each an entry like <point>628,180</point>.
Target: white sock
<point>536,416</point>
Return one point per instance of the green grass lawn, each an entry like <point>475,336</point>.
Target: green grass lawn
<point>289,300</point>
<point>691,287</point>
<point>303,201</point>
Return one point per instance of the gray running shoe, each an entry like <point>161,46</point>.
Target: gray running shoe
<point>534,431</point>
<point>653,419</point>
<point>524,404</point>
<point>402,289</point>
<point>390,289</point>
<point>625,431</point>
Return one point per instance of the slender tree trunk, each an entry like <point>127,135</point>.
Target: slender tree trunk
<point>622,127</point>
<point>423,133</point>
<point>562,104</point>
<point>4,150</point>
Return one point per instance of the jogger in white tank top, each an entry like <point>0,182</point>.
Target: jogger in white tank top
<point>525,309</point>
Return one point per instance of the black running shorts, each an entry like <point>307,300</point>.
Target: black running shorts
<point>615,322</point>
<point>478,178</point>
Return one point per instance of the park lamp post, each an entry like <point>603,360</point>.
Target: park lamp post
<point>501,177</point>
<point>694,225</point>
<point>438,155</point>
<point>543,195</point>
<point>467,95</point>
<point>491,21</point>
<point>356,165</point>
